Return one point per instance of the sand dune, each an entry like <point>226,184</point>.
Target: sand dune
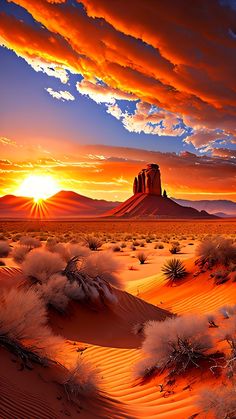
<point>113,348</point>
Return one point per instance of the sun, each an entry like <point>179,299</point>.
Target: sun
<point>39,187</point>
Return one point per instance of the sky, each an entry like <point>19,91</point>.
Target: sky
<point>92,91</point>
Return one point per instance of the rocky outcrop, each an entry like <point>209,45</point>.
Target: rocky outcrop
<point>148,181</point>
<point>148,202</point>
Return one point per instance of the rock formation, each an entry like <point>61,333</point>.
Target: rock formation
<point>147,200</point>
<point>148,181</point>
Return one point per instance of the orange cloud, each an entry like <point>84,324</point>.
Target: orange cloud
<point>178,56</point>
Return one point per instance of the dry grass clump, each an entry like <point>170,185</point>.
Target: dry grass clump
<point>92,242</point>
<point>103,265</point>
<point>175,247</point>
<point>221,402</point>
<point>23,327</point>
<point>213,250</point>
<point>19,253</point>
<point>30,242</point>
<point>142,257</point>
<point>159,245</point>
<point>53,292</point>
<point>174,270</point>
<point>80,379</point>
<point>174,345</point>
<point>4,248</point>
<point>40,264</point>
<point>66,251</point>
<point>94,290</point>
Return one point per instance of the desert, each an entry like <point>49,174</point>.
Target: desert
<point>105,332</point>
<point>117,209</point>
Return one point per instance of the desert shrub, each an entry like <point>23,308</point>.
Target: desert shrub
<point>30,242</point>
<point>123,245</point>
<point>2,263</point>
<point>54,292</point>
<point>23,326</point>
<point>221,402</point>
<point>103,265</point>
<point>174,269</point>
<point>174,345</point>
<point>80,379</point>
<point>175,248</point>
<point>40,264</point>
<point>216,250</point>
<point>136,243</point>
<point>159,246</point>
<point>220,277</point>
<point>227,311</point>
<point>116,248</point>
<point>92,242</point>
<point>19,253</point>
<point>93,290</point>
<point>142,257</point>
<point>228,334</point>
<point>4,248</point>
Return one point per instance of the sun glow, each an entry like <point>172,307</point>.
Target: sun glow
<point>38,187</point>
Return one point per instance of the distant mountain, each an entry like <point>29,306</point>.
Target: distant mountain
<point>220,207</point>
<point>64,204</point>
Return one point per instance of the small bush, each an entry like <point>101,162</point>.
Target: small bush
<point>159,246</point>
<point>23,326</point>
<point>216,250</point>
<point>30,242</point>
<point>174,269</point>
<point>228,311</point>
<point>221,402</point>
<point>174,345</point>
<point>19,253</point>
<point>175,248</point>
<point>116,248</point>
<point>81,379</point>
<point>93,242</point>
<point>4,249</point>
<point>142,257</point>
<point>53,292</point>
<point>40,264</point>
<point>103,265</point>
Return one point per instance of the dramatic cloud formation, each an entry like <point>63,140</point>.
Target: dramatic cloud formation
<point>175,60</point>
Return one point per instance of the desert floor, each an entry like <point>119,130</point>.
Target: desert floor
<point>110,343</point>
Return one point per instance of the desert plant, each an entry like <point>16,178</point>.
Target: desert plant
<point>175,248</point>
<point>174,345</point>
<point>142,257</point>
<point>103,265</point>
<point>93,290</point>
<point>159,246</point>
<point>92,242</point>
<point>228,311</point>
<point>80,379</point>
<point>4,248</point>
<point>40,264</point>
<point>19,253</point>
<point>54,292</point>
<point>30,242</point>
<point>23,326</point>
<point>220,401</point>
<point>213,250</point>
<point>116,248</point>
<point>174,270</point>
